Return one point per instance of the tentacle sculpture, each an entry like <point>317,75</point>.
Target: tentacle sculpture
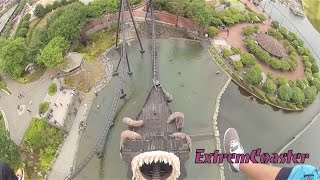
<point>179,135</point>
<point>178,117</point>
<point>128,135</point>
<point>132,123</point>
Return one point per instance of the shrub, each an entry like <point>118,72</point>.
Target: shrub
<point>237,65</point>
<point>298,96</point>
<point>236,50</point>
<point>52,89</point>
<point>310,94</point>
<point>269,75</point>
<point>248,59</point>
<point>213,31</point>
<point>260,93</point>
<point>43,107</point>
<point>253,75</point>
<point>248,31</point>
<point>316,82</point>
<point>285,92</point>
<point>256,27</point>
<point>275,24</point>
<point>270,87</point>
<point>314,68</point>
<point>226,52</point>
<point>281,81</point>
<point>300,84</point>
<point>283,31</point>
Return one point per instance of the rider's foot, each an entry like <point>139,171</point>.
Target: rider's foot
<point>231,143</point>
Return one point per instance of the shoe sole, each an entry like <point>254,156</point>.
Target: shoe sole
<point>224,148</point>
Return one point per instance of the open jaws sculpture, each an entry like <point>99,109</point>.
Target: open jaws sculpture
<point>130,135</point>
<point>132,123</point>
<point>178,117</point>
<point>154,157</point>
<point>179,135</point>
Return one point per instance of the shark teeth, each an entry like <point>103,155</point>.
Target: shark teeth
<point>154,157</point>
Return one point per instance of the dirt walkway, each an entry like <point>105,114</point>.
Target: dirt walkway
<point>235,39</point>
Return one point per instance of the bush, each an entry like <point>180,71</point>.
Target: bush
<point>310,94</point>
<point>237,65</point>
<point>314,68</point>
<point>226,52</point>
<point>298,96</point>
<point>283,31</point>
<point>270,87</point>
<point>52,89</point>
<point>253,75</point>
<point>236,50</point>
<point>300,84</point>
<point>43,107</point>
<point>269,75</point>
<point>213,31</point>
<point>248,31</point>
<point>316,82</point>
<point>248,59</point>
<point>281,81</point>
<point>285,93</point>
<point>260,93</point>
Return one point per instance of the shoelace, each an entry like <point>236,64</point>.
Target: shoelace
<point>234,144</point>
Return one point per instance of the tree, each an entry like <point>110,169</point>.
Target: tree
<point>226,52</point>
<point>237,65</point>
<point>52,89</point>
<point>269,75</point>
<point>310,94</point>
<point>270,87</point>
<point>55,5</point>
<point>39,11</point>
<point>248,59</point>
<point>177,7</point>
<point>213,31</point>
<point>9,151</point>
<point>52,54</point>
<point>298,96</point>
<point>253,75</point>
<point>281,81</point>
<point>285,92</point>
<point>300,84</point>
<point>12,57</point>
<point>248,31</point>
<point>43,107</point>
<point>236,50</point>
<point>314,68</point>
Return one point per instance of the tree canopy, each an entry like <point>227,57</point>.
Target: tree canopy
<point>12,57</point>
<point>298,96</point>
<point>39,11</point>
<point>253,75</point>
<point>52,55</point>
<point>285,92</point>
<point>310,94</point>
<point>248,59</point>
<point>270,87</point>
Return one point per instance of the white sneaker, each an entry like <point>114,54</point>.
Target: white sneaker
<point>231,144</point>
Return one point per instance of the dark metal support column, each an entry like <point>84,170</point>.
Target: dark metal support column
<point>148,6</point>
<point>135,27</point>
<point>115,73</point>
<point>130,73</point>
<point>122,95</point>
<point>118,25</point>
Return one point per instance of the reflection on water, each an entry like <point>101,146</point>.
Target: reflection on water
<point>188,73</point>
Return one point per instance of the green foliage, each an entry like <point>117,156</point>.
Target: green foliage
<point>286,64</point>
<point>226,52</point>
<point>23,27</point>
<point>249,30</point>
<point>9,151</point>
<point>44,141</point>
<point>275,24</point>
<point>269,75</point>
<point>52,55</point>
<point>52,89</point>
<point>236,50</point>
<point>97,8</point>
<point>253,75</point>
<point>283,31</point>
<point>237,65</point>
<point>285,93</point>
<point>7,29</point>
<point>270,87</point>
<point>316,82</point>
<point>67,21</point>
<point>39,11</point>
<point>213,31</point>
<point>300,84</point>
<point>298,96</point>
<point>43,107</point>
<point>262,17</point>
<point>310,94</point>
<point>12,57</point>
<point>281,80</point>
<point>314,68</point>
<point>248,59</point>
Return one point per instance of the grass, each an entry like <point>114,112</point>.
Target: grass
<point>98,43</point>
<point>31,77</point>
<point>40,144</point>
